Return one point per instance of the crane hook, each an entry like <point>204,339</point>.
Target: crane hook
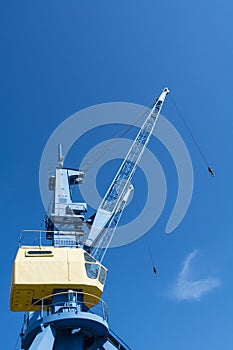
<point>155,271</point>
<point>211,171</point>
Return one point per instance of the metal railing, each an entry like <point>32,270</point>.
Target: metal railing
<point>38,237</point>
<point>74,302</point>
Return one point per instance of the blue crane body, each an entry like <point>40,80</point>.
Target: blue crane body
<point>58,282</point>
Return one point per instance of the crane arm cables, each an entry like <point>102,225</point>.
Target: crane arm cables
<point>118,189</point>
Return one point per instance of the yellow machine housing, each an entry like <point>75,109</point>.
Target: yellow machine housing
<point>39,271</point>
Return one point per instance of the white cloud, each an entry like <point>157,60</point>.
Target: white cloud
<point>187,289</point>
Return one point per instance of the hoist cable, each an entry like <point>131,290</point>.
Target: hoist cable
<point>150,254</point>
<point>147,242</point>
<point>115,139</point>
<point>192,136</point>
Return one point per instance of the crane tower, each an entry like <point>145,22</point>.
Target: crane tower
<point>58,279</point>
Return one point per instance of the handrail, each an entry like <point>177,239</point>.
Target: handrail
<point>41,302</point>
<point>40,235</point>
<point>69,292</point>
<point>46,231</point>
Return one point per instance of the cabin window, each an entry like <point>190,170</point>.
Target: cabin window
<point>89,258</point>
<point>39,253</point>
<point>102,275</point>
<point>92,270</point>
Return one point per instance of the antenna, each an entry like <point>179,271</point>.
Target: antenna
<point>60,156</point>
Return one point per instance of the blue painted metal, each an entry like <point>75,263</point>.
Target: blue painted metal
<point>115,342</point>
<point>69,341</point>
<point>66,323</point>
<point>44,339</point>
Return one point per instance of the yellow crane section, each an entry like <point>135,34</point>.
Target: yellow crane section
<point>40,271</point>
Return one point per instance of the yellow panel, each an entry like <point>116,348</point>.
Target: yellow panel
<point>38,271</point>
<point>23,298</point>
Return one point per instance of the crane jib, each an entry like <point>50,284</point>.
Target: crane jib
<point>128,166</point>
<point>109,207</point>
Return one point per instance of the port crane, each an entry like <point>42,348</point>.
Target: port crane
<point>58,282</point>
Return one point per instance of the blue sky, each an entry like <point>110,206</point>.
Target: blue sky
<point>58,57</point>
